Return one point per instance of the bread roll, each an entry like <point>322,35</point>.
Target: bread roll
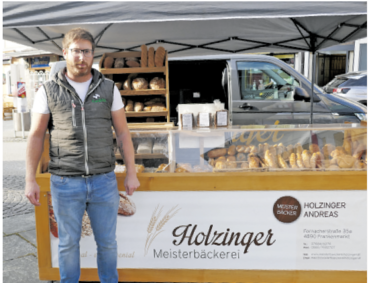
<point>133,64</point>
<point>346,161</point>
<point>241,157</point>
<point>159,57</point>
<point>281,163</point>
<point>299,161</point>
<point>157,83</point>
<point>292,159</point>
<point>108,62</point>
<point>338,152</point>
<point>231,158</point>
<point>139,83</point>
<point>221,158</point>
<point>217,152</point>
<point>254,161</point>
<point>269,159</point>
<point>151,57</point>
<point>138,106</point>
<point>119,63</point>
<point>240,148</point>
<point>186,166</point>
<point>163,167</point>
<point>221,165</point>
<point>211,162</point>
<point>347,146</point>
<point>298,148</point>
<point>147,108</point>
<point>143,56</point>
<point>129,107</point>
<point>306,158</point>
<point>232,150</point>
<point>314,148</point>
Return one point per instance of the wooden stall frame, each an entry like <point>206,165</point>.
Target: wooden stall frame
<point>273,181</point>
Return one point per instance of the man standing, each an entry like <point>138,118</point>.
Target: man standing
<point>78,106</point>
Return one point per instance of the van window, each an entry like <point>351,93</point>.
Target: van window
<point>264,81</point>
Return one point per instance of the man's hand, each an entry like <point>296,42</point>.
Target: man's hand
<point>32,192</point>
<point>131,183</point>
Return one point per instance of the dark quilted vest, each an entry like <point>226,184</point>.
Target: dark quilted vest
<point>80,144</point>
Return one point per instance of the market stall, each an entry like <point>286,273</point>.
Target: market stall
<point>270,204</point>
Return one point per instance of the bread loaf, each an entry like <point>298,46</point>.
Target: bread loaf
<point>147,108</point>
<point>129,107</point>
<point>145,146</point>
<point>119,63</point>
<point>157,83</point>
<point>127,84</point>
<point>159,57</point>
<point>126,206</point>
<point>158,107</point>
<point>139,83</point>
<point>151,57</point>
<point>143,56</point>
<point>138,106</point>
<point>217,152</point>
<point>232,150</point>
<point>108,62</point>
<point>133,64</point>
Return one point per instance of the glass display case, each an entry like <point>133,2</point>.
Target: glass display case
<point>338,147</point>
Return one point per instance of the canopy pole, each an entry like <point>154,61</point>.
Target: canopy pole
<point>312,44</point>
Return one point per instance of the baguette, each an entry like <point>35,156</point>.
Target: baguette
<point>159,57</point>
<point>143,56</point>
<point>151,57</point>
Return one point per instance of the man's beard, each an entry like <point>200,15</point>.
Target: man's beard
<point>75,71</point>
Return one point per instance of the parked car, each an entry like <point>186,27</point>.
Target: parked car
<point>257,90</point>
<point>352,85</point>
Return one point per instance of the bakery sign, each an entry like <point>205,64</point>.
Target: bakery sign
<point>248,230</point>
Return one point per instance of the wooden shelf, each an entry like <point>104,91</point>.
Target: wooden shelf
<point>143,92</point>
<point>146,114</point>
<point>145,156</point>
<point>132,70</point>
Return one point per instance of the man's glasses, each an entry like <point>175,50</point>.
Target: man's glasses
<point>77,52</point>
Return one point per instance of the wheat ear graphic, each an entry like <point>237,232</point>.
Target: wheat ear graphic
<point>152,235</point>
<point>152,223</point>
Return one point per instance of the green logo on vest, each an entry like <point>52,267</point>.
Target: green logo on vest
<point>99,100</point>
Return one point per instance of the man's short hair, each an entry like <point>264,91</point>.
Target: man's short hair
<point>75,34</point>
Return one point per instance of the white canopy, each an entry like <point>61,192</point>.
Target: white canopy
<point>188,28</point>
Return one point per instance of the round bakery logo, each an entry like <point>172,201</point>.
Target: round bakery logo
<point>287,209</point>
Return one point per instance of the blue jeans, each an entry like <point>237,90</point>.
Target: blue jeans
<point>98,195</point>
